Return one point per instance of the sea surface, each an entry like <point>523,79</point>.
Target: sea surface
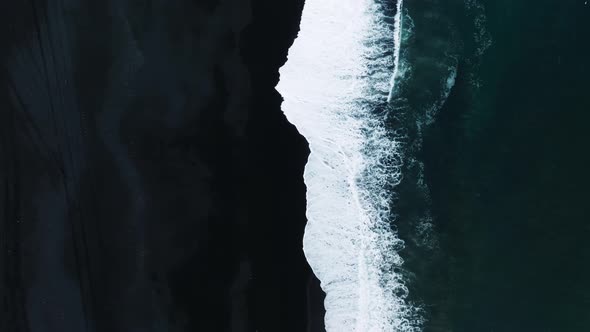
<point>448,186</point>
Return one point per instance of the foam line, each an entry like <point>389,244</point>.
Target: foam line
<point>336,78</point>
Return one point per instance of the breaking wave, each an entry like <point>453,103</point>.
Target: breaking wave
<point>336,85</point>
<point>362,81</point>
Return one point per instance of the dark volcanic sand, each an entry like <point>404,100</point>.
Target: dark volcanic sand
<point>148,178</point>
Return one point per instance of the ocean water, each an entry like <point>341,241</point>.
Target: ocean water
<point>507,167</point>
<point>447,184</point>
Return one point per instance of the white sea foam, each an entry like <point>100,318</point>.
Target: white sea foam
<point>397,46</point>
<point>335,79</point>
<point>447,83</point>
<point>481,35</point>
<point>349,70</point>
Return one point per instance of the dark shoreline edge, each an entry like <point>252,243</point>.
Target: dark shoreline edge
<point>121,248</point>
<point>279,155</point>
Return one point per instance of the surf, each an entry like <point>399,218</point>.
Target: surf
<point>336,84</point>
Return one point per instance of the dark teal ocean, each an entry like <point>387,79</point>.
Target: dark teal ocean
<point>501,170</point>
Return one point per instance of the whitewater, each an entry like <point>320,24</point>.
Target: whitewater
<point>336,84</point>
